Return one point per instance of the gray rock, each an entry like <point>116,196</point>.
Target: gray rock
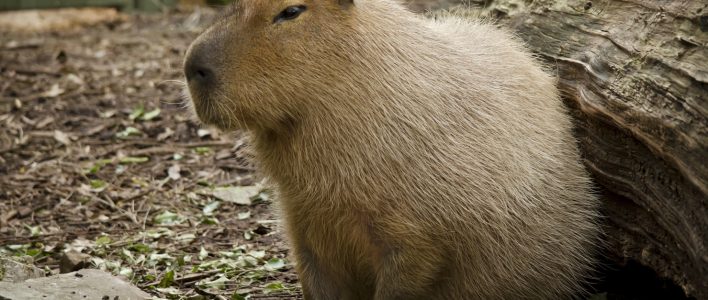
<point>73,261</point>
<point>18,269</point>
<point>80,285</point>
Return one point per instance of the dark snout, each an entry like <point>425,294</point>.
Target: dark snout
<point>198,66</point>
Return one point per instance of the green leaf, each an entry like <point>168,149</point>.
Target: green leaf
<point>134,159</point>
<point>209,209</point>
<point>218,283</point>
<point>103,240</point>
<point>169,218</point>
<point>202,150</point>
<point>150,115</point>
<point>244,215</point>
<point>274,264</point>
<point>186,238</point>
<point>34,230</point>
<point>126,271</point>
<point>210,221</point>
<point>247,261</point>
<point>236,296</point>
<point>128,256</point>
<point>157,233</point>
<point>170,291</point>
<point>113,265</point>
<point>261,197</point>
<point>128,132</point>
<point>203,253</point>
<point>94,169</point>
<point>256,274</point>
<point>120,169</point>
<point>160,258</point>
<point>257,254</point>
<point>137,112</point>
<point>33,252</point>
<point>98,165</point>
<point>149,278</point>
<point>274,287</point>
<point>140,248</point>
<point>97,184</point>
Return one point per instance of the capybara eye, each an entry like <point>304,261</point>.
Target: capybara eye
<point>289,13</point>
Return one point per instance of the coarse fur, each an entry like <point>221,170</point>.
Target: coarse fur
<point>414,158</point>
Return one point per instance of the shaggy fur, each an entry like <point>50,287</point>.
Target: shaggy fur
<point>414,158</point>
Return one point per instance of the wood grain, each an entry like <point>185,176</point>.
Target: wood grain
<point>635,74</point>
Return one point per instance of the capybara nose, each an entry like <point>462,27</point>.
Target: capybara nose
<point>197,72</point>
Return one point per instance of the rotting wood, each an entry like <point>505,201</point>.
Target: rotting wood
<point>635,74</point>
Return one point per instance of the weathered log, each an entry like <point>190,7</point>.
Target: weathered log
<point>635,74</point>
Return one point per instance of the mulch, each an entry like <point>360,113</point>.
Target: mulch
<point>96,144</point>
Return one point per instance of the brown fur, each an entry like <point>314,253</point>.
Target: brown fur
<point>414,158</point>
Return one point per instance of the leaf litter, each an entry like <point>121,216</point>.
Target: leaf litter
<point>97,156</point>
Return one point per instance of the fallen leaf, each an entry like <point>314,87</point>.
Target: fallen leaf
<point>97,185</point>
<point>62,137</point>
<point>203,132</point>
<point>202,150</point>
<point>80,244</point>
<point>75,79</point>
<point>274,264</point>
<point>103,240</point>
<point>137,112</point>
<point>34,230</point>
<point>274,287</point>
<point>134,159</point>
<point>203,254</point>
<point>44,122</point>
<point>108,114</point>
<point>185,238</point>
<point>171,291</point>
<point>126,272</point>
<point>173,172</point>
<point>165,134</point>
<point>129,131</point>
<point>244,215</point>
<point>150,115</point>
<point>167,279</point>
<point>169,218</point>
<point>54,91</point>
<point>236,194</point>
<point>209,209</point>
<point>218,283</point>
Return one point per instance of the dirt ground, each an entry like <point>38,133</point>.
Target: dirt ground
<point>99,156</point>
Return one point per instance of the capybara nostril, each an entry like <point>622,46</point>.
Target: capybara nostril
<point>198,73</point>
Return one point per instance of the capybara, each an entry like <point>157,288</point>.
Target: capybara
<point>413,157</point>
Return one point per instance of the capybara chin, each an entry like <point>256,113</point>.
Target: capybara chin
<point>413,158</point>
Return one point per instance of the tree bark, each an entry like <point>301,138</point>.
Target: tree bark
<point>635,74</point>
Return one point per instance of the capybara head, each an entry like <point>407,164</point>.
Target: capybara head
<point>256,68</point>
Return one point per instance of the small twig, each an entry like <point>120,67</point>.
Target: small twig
<point>147,213</point>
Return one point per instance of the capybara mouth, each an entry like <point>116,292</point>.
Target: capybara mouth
<point>202,106</point>
<point>215,109</point>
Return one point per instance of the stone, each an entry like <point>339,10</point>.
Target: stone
<point>80,285</point>
<point>73,261</point>
<point>18,269</point>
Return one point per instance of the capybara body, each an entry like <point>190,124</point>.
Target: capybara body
<point>413,158</point>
